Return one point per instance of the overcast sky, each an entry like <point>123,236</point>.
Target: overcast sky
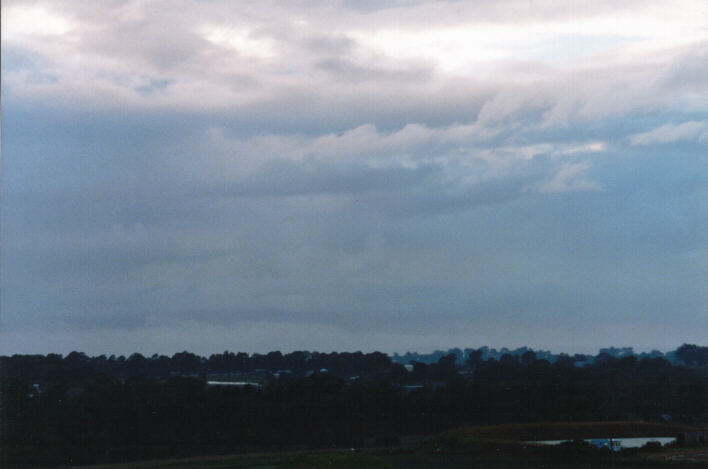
<point>353,175</point>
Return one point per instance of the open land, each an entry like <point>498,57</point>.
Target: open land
<point>491,447</point>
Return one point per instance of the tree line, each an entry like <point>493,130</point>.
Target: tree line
<point>80,410</point>
<point>54,368</point>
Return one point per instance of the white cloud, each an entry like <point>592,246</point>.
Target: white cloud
<point>670,133</point>
<point>238,57</point>
<point>463,152</point>
<point>29,21</point>
<point>243,41</point>
<point>568,178</point>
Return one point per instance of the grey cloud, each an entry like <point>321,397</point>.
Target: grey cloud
<point>117,32</point>
<point>171,186</point>
<point>387,107</point>
<point>125,320</point>
<point>286,177</point>
<point>153,86</point>
<point>511,11</point>
<point>351,71</point>
<point>690,69</point>
<point>373,5</point>
<point>330,44</point>
<point>426,203</point>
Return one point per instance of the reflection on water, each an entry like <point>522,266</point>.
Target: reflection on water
<point>624,442</point>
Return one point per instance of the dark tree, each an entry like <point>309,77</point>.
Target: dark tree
<point>693,355</point>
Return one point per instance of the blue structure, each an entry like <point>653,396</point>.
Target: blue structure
<point>614,445</point>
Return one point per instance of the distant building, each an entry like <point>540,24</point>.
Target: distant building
<point>614,445</point>
<point>412,387</point>
<point>235,384</point>
<point>35,391</point>
<point>691,438</point>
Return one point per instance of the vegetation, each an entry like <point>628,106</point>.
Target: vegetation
<point>304,460</point>
<point>573,430</point>
<point>86,410</point>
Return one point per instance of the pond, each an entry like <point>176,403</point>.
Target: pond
<point>624,442</point>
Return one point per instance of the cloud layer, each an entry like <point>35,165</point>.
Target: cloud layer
<point>395,174</point>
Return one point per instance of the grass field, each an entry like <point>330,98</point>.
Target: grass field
<point>570,431</point>
<point>495,447</point>
<point>690,458</point>
<point>299,460</point>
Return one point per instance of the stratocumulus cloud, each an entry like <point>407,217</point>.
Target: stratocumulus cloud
<point>670,133</point>
<point>380,173</point>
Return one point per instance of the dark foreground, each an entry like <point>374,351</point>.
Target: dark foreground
<point>385,459</point>
<point>484,447</point>
<point>77,410</point>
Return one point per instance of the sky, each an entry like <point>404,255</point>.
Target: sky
<point>353,175</point>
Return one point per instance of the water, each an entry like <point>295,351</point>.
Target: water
<point>625,442</point>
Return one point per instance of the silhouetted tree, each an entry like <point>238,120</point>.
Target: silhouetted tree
<point>693,354</point>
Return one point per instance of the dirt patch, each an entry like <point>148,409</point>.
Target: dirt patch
<point>696,456</point>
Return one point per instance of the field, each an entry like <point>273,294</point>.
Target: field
<point>495,447</point>
<point>680,458</point>
<point>580,430</point>
<point>287,460</point>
